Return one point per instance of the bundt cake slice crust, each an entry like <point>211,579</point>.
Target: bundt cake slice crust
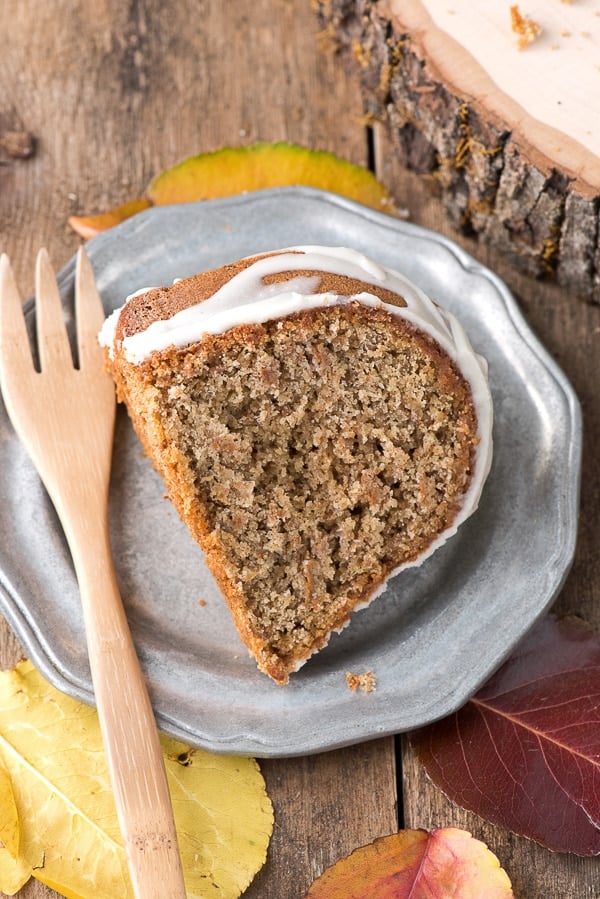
<point>161,303</point>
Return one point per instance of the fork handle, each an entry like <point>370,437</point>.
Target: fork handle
<point>127,722</point>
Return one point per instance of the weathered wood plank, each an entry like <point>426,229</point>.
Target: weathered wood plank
<point>570,329</point>
<point>112,93</point>
<point>495,182</point>
<point>114,96</point>
<point>331,804</point>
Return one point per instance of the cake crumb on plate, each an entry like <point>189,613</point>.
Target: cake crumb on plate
<point>367,682</point>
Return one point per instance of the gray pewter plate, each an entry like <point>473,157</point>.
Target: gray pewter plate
<point>438,631</point>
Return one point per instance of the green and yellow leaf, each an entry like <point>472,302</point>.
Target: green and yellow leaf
<point>69,835</point>
<point>236,170</point>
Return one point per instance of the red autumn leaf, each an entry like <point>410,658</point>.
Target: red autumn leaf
<point>524,752</point>
<point>414,864</point>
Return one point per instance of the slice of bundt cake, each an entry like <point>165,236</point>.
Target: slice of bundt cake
<point>319,424</point>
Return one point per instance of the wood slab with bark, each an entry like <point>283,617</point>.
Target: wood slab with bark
<point>531,191</point>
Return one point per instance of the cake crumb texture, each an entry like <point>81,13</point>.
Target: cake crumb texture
<point>310,456</point>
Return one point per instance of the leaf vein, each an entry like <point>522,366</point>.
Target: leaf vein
<point>540,734</point>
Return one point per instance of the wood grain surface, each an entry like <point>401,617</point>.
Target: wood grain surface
<point>104,96</point>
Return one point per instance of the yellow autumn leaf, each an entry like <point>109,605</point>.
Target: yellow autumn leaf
<point>69,835</point>
<point>9,817</point>
<point>14,872</point>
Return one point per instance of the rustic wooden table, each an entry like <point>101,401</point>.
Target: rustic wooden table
<point>114,92</point>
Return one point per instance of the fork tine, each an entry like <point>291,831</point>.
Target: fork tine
<point>53,343</point>
<point>13,331</point>
<point>89,312</point>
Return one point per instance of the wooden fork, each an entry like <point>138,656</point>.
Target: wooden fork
<point>65,418</point>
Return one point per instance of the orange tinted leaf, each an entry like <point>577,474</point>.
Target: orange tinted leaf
<point>414,864</point>
<point>89,226</point>
<point>234,170</point>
